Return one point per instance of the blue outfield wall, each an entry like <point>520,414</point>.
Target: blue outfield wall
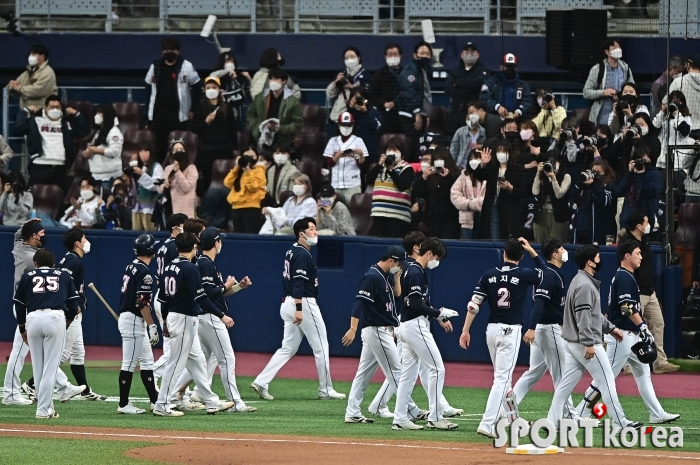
<point>342,262</point>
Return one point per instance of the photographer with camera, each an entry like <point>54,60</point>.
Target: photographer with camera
<point>675,118</point>
<point>605,80</point>
<point>353,76</point>
<point>343,155</point>
<point>593,147</point>
<point>551,206</point>
<point>641,186</point>
<point>439,174</point>
<point>248,184</point>
<point>116,212</point>
<point>16,202</point>
<point>368,122</point>
<point>690,85</point>
<point>145,169</point>
<point>628,103</point>
<point>596,205</point>
<point>550,116</point>
<point>640,133</point>
<point>333,217</point>
<point>565,144</point>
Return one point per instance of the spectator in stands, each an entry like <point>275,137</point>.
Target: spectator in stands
<point>631,142</point>
<point>587,154</point>
<point>692,183</point>
<point>116,212</point>
<point>490,122</point>
<point>641,187</point>
<point>271,59</point>
<point>659,87</point>
<point>595,199</point>
<point>278,103</point>
<point>300,205</point>
<point>466,139</point>
<point>467,195</point>
<point>551,207</point>
<point>247,183</point>
<point>181,181</point>
<point>147,171</point>
<point>439,174</point>
<point>678,121</point>
<point>689,84</point>
<point>16,202</point>
<point>353,76</point>
<point>6,152</point>
<point>368,121</point>
<point>333,217</point>
<point>174,90</point>
<point>383,87</point>
<point>38,82</point>
<point>215,124</point>
<point>550,116</point>
<point>509,132</point>
<point>505,93</point>
<point>83,212</point>
<point>50,134</point>
<point>235,84</point>
<point>529,151</point>
<point>391,198</point>
<point>104,153</point>
<point>605,80</point>
<point>463,86</point>
<point>565,145</point>
<point>627,105</point>
<point>414,99</point>
<point>344,154</point>
<point>280,174</point>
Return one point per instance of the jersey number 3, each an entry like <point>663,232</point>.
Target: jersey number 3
<point>503,296</point>
<point>43,284</point>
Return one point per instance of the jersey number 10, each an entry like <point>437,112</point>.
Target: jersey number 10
<point>170,286</point>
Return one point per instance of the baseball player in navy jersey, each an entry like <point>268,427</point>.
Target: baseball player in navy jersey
<point>505,289</point>
<point>584,326</point>
<point>182,296</point>
<point>301,314</point>
<point>624,312</point>
<point>547,348</point>
<point>136,325</point>
<point>418,342</point>
<point>46,302</point>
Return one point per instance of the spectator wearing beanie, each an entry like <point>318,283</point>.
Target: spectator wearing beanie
<point>247,183</point>
<point>333,217</point>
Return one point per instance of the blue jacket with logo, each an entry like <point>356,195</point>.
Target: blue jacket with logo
<point>498,90</point>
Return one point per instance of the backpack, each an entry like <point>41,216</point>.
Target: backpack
<point>599,80</point>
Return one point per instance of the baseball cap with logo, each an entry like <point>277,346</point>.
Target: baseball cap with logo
<point>213,79</point>
<point>472,46</point>
<point>394,252</point>
<point>327,191</point>
<point>346,119</point>
<point>209,236</point>
<point>510,59</point>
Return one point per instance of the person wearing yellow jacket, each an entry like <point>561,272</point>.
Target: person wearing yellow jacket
<point>247,182</point>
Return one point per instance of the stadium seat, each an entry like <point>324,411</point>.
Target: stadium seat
<point>586,127</point>
<point>219,170</point>
<point>86,108</point>
<point>48,198</point>
<point>81,167</point>
<point>688,224</point>
<point>128,112</point>
<point>190,139</point>
<point>314,117</point>
<point>284,196</point>
<point>405,143</point>
<point>311,167</point>
<point>313,144</point>
<point>438,120</point>
<point>136,137</point>
<point>360,209</point>
<point>126,127</point>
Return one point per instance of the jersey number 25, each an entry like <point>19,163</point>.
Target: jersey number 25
<point>43,284</point>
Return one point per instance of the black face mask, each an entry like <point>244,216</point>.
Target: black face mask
<point>170,56</point>
<point>43,240</point>
<point>684,129</point>
<point>423,62</point>
<point>630,99</point>
<point>512,135</point>
<point>510,73</point>
<point>598,265</point>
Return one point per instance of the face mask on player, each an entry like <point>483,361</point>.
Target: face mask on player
<point>565,256</point>
<point>86,247</point>
<point>311,241</point>
<point>218,248</point>
<point>432,264</point>
<point>395,269</point>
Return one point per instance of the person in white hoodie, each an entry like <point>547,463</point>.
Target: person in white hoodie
<point>675,123</point>
<point>690,86</point>
<point>83,212</point>
<point>104,153</point>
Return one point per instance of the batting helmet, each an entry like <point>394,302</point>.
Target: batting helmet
<point>645,351</point>
<point>144,246</point>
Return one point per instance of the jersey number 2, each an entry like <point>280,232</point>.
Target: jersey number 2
<point>41,284</point>
<point>503,296</point>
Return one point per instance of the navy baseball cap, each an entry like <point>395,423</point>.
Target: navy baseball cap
<point>394,252</point>
<point>472,46</point>
<point>209,236</point>
<point>694,59</point>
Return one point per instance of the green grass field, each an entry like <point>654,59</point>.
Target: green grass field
<point>295,411</point>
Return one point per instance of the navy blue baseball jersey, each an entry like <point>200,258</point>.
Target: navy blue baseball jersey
<point>44,288</point>
<point>375,299</point>
<point>623,297</point>
<point>181,291</point>
<point>212,282</point>
<point>166,253</point>
<point>414,282</point>
<point>137,285</point>
<point>300,277</point>
<point>72,264</point>
<point>505,288</point>
<point>550,296</point>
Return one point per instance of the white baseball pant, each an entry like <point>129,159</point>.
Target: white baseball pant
<point>600,370</point>
<point>186,377</point>
<point>136,347</point>
<point>620,353</point>
<point>419,347</point>
<point>313,327</point>
<point>15,363</point>
<point>159,365</point>
<point>46,334</point>
<point>74,349</point>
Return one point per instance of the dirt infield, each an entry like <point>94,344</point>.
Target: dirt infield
<point>219,449</point>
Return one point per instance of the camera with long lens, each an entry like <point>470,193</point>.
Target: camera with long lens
<point>633,131</point>
<point>548,167</point>
<point>590,141</point>
<point>589,175</point>
<point>548,97</point>
<point>639,163</point>
<point>566,134</point>
<point>342,82</point>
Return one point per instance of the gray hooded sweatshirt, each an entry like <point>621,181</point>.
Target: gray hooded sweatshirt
<point>583,320</point>
<point>690,86</point>
<point>23,256</point>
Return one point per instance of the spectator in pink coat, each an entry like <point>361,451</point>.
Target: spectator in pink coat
<point>467,195</point>
<point>181,178</point>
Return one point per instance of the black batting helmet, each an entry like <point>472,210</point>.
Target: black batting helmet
<point>645,351</point>
<point>144,246</point>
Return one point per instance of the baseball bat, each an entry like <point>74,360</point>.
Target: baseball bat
<point>99,296</point>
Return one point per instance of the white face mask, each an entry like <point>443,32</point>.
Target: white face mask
<point>526,134</point>
<point>87,195</point>
<point>275,86</point>
<point>439,163</point>
<point>351,62</point>
<point>645,130</point>
<point>393,61</point>
<point>395,269</point>
<point>211,93</point>
<point>616,54</point>
<point>298,189</point>
<point>133,163</point>
<point>502,157</point>
<point>473,119</point>
<point>647,229</point>
<point>33,60</point>
<point>98,119</point>
<point>86,247</point>
<point>474,163</point>
<point>280,159</point>
<point>424,166</point>
<point>565,256</point>
<point>432,264</point>
<point>540,102</point>
<point>311,241</point>
<point>345,130</point>
<point>470,58</point>
<point>229,66</point>
<point>54,113</point>
<point>218,248</point>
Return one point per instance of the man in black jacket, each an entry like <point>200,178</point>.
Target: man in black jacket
<point>463,86</point>
<point>383,87</point>
<point>50,132</point>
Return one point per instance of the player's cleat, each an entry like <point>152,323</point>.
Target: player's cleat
<point>186,405</point>
<point>167,413</point>
<point>631,424</point>
<point>244,409</point>
<point>92,395</point>
<point>29,391</point>
<point>72,392</point>
<point>488,434</point>
<point>512,413</point>
<point>262,391</point>
<point>409,425</point>
<point>220,407</point>
<point>129,409</point>
<point>451,412</point>
<point>383,413</point>
<point>332,395</point>
<point>666,368</point>
<point>360,419</point>
<point>152,406</point>
<point>196,396</point>
<point>627,369</point>
<point>17,400</point>
<point>53,414</point>
<point>667,418</point>
<point>442,424</point>
<point>422,415</point>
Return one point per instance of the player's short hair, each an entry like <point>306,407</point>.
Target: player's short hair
<point>585,253</point>
<point>40,50</point>
<point>170,43</point>
<point>412,239</point>
<point>434,245</point>
<point>423,43</point>
<point>194,226</point>
<point>625,248</point>
<point>44,257</point>
<point>30,228</point>
<point>71,237</point>
<point>635,218</point>
<point>302,225</point>
<point>514,249</point>
<point>391,45</point>
<point>53,98</point>
<point>92,182</point>
<point>175,220</point>
<point>278,73</point>
<point>185,242</point>
<point>549,246</point>
<point>478,104</point>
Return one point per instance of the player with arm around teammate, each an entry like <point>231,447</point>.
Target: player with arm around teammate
<point>301,314</point>
<point>46,301</point>
<point>505,289</point>
<point>624,312</point>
